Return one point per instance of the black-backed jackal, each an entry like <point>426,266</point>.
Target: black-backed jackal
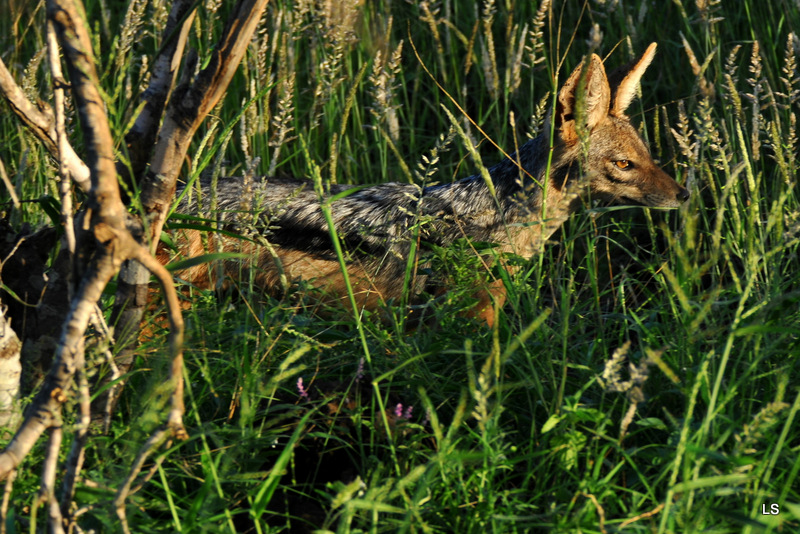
<point>596,153</point>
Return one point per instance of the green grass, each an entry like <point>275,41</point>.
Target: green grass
<point>510,429</point>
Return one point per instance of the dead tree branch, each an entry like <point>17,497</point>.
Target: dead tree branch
<point>47,403</point>
<point>153,442</point>
<point>47,493</point>
<point>104,197</point>
<point>62,143</point>
<point>175,419</point>
<point>132,284</point>
<point>7,489</point>
<point>106,235</point>
<point>187,108</point>
<point>141,138</point>
<point>41,122</point>
<point>74,462</point>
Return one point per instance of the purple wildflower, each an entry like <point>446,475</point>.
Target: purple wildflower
<point>403,414</point>
<point>301,389</point>
<point>360,370</point>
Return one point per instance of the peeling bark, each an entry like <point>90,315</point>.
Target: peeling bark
<point>10,373</point>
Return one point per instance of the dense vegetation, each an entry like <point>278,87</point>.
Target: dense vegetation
<point>300,421</point>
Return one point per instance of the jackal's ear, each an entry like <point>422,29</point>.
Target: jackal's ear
<point>624,81</point>
<point>585,95</point>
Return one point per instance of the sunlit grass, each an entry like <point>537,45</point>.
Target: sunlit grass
<point>451,426</point>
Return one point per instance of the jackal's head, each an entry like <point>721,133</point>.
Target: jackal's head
<point>591,127</point>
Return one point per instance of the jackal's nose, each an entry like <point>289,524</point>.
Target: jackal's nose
<point>683,195</point>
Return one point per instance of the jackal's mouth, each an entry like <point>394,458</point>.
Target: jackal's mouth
<point>618,200</point>
<point>628,201</point>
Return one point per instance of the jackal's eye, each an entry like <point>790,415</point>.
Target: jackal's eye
<point>623,164</point>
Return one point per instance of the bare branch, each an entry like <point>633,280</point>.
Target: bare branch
<point>174,424</point>
<point>104,195</point>
<point>6,499</point>
<point>47,403</point>
<point>100,325</point>
<point>9,186</point>
<point>107,242</point>
<point>186,111</point>
<point>62,143</point>
<point>124,490</point>
<point>41,123</point>
<point>110,236</point>
<point>47,494</point>
<point>189,107</point>
<point>38,119</point>
<point>74,462</point>
<point>140,140</point>
<point>175,419</point>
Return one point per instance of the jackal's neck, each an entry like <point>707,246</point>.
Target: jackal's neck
<point>529,180</point>
<point>529,204</point>
<point>536,178</point>
<point>532,172</point>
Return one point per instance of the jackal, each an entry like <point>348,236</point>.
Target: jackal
<point>596,154</point>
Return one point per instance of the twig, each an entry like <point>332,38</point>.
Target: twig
<point>46,406</point>
<point>100,325</point>
<point>41,124</point>
<point>150,472</point>
<point>62,145</point>
<point>9,185</point>
<point>13,251</point>
<point>645,515</point>
<point>47,492</point>
<point>152,443</point>
<point>74,462</point>
<point>6,498</point>
<point>39,121</point>
<point>175,418</point>
<point>113,390</point>
<point>174,424</point>
<point>601,514</point>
